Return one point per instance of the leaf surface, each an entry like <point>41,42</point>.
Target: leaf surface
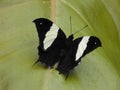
<point>99,70</point>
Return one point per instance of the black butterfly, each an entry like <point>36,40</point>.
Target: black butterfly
<point>55,47</point>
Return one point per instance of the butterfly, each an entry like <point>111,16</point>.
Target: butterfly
<point>54,47</point>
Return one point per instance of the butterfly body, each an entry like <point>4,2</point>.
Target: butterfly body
<point>54,47</point>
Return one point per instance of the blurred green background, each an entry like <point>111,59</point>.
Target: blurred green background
<point>99,70</point>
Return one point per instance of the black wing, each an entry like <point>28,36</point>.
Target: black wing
<point>52,41</point>
<point>79,48</point>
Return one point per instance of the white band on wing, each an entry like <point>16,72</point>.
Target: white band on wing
<point>50,36</point>
<point>81,47</point>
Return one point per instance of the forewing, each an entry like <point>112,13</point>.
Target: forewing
<point>52,40</point>
<point>79,48</point>
<point>74,55</point>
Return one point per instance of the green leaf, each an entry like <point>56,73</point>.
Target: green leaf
<point>99,70</point>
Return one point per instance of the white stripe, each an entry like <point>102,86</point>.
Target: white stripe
<point>82,46</point>
<point>50,36</point>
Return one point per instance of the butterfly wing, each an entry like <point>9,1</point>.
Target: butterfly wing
<point>52,41</point>
<point>79,48</point>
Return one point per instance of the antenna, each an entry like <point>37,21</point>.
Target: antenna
<point>76,31</point>
<point>80,30</point>
<point>70,26</point>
